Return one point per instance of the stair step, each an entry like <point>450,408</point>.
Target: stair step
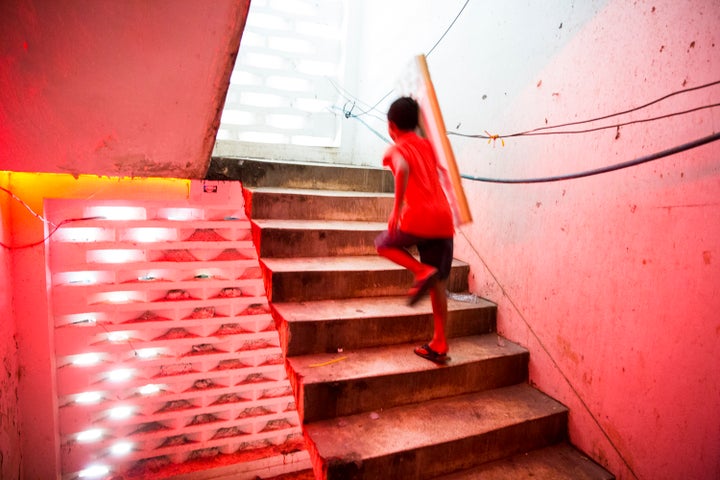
<point>324,326</point>
<point>268,173</point>
<point>433,438</point>
<point>291,203</point>
<point>319,238</point>
<point>556,462</point>
<point>325,278</point>
<point>334,385</point>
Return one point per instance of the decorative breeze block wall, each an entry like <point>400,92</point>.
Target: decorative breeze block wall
<point>165,347</point>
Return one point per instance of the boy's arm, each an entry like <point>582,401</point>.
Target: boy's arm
<point>400,169</point>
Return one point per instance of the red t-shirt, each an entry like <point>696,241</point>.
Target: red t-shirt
<point>426,211</point>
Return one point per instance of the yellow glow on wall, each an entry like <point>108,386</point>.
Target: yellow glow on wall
<point>34,188</point>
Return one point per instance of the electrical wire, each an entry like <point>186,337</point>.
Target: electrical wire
<point>47,237</point>
<point>372,108</point>
<point>587,130</point>
<point>448,28</point>
<point>18,199</point>
<point>611,168</point>
<point>597,119</point>
<point>378,134</point>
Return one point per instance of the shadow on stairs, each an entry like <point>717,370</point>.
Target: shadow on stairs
<point>371,408</point>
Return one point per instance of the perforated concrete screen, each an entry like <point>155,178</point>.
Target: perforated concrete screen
<point>286,76</point>
<point>166,350</point>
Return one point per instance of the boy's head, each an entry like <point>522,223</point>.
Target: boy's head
<point>403,113</point>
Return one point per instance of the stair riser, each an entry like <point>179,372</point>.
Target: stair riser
<point>466,453</point>
<point>302,338</point>
<point>328,400</point>
<point>325,285</point>
<point>299,206</point>
<point>300,175</point>
<point>283,243</point>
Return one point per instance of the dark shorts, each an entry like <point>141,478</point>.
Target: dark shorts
<point>437,252</point>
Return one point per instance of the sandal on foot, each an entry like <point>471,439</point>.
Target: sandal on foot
<point>420,289</point>
<point>429,354</point>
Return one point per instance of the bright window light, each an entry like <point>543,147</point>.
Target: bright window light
<point>147,353</point>
<point>244,78</point>
<point>121,448</point>
<point>180,214</point>
<point>290,45</point>
<point>262,137</point>
<point>82,278</point>
<point>311,105</point>
<point>149,389</point>
<point>86,359</point>
<point>264,20</point>
<point>94,471</point>
<point>117,213</point>
<point>308,140</point>
<point>262,60</point>
<point>266,100</point>
<point>292,122</point>
<point>117,297</point>
<point>79,234</point>
<point>313,29</point>
<point>150,235</point>
<point>91,435</point>
<point>115,256</point>
<point>121,413</point>
<point>317,68</point>
<point>238,117</point>
<point>116,337</point>
<point>289,83</point>
<point>252,39</point>
<point>293,6</point>
<point>88,397</point>
<point>120,375</point>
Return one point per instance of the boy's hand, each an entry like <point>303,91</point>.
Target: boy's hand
<point>394,222</point>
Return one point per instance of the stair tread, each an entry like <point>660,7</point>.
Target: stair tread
<point>319,192</point>
<point>367,307</point>
<point>301,224</point>
<point>410,427</point>
<point>556,462</point>
<point>396,359</point>
<point>339,263</point>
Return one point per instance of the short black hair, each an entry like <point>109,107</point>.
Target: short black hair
<point>404,113</point>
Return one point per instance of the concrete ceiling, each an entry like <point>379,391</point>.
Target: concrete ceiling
<point>131,88</point>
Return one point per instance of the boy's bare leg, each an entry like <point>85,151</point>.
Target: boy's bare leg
<point>403,258</point>
<point>438,297</point>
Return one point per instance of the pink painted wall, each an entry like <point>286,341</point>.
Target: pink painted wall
<point>115,88</point>
<point>9,411</point>
<point>613,281</point>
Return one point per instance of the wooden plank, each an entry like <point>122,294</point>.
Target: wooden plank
<point>433,127</point>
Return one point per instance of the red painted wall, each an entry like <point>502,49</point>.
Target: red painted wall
<point>115,88</point>
<point>613,281</point>
<point>9,374</point>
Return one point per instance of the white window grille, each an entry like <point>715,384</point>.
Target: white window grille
<point>283,85</point>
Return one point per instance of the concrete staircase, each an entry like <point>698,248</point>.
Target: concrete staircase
<point>371,408</point>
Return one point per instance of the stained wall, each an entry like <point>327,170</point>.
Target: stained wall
<point>612,281</point>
